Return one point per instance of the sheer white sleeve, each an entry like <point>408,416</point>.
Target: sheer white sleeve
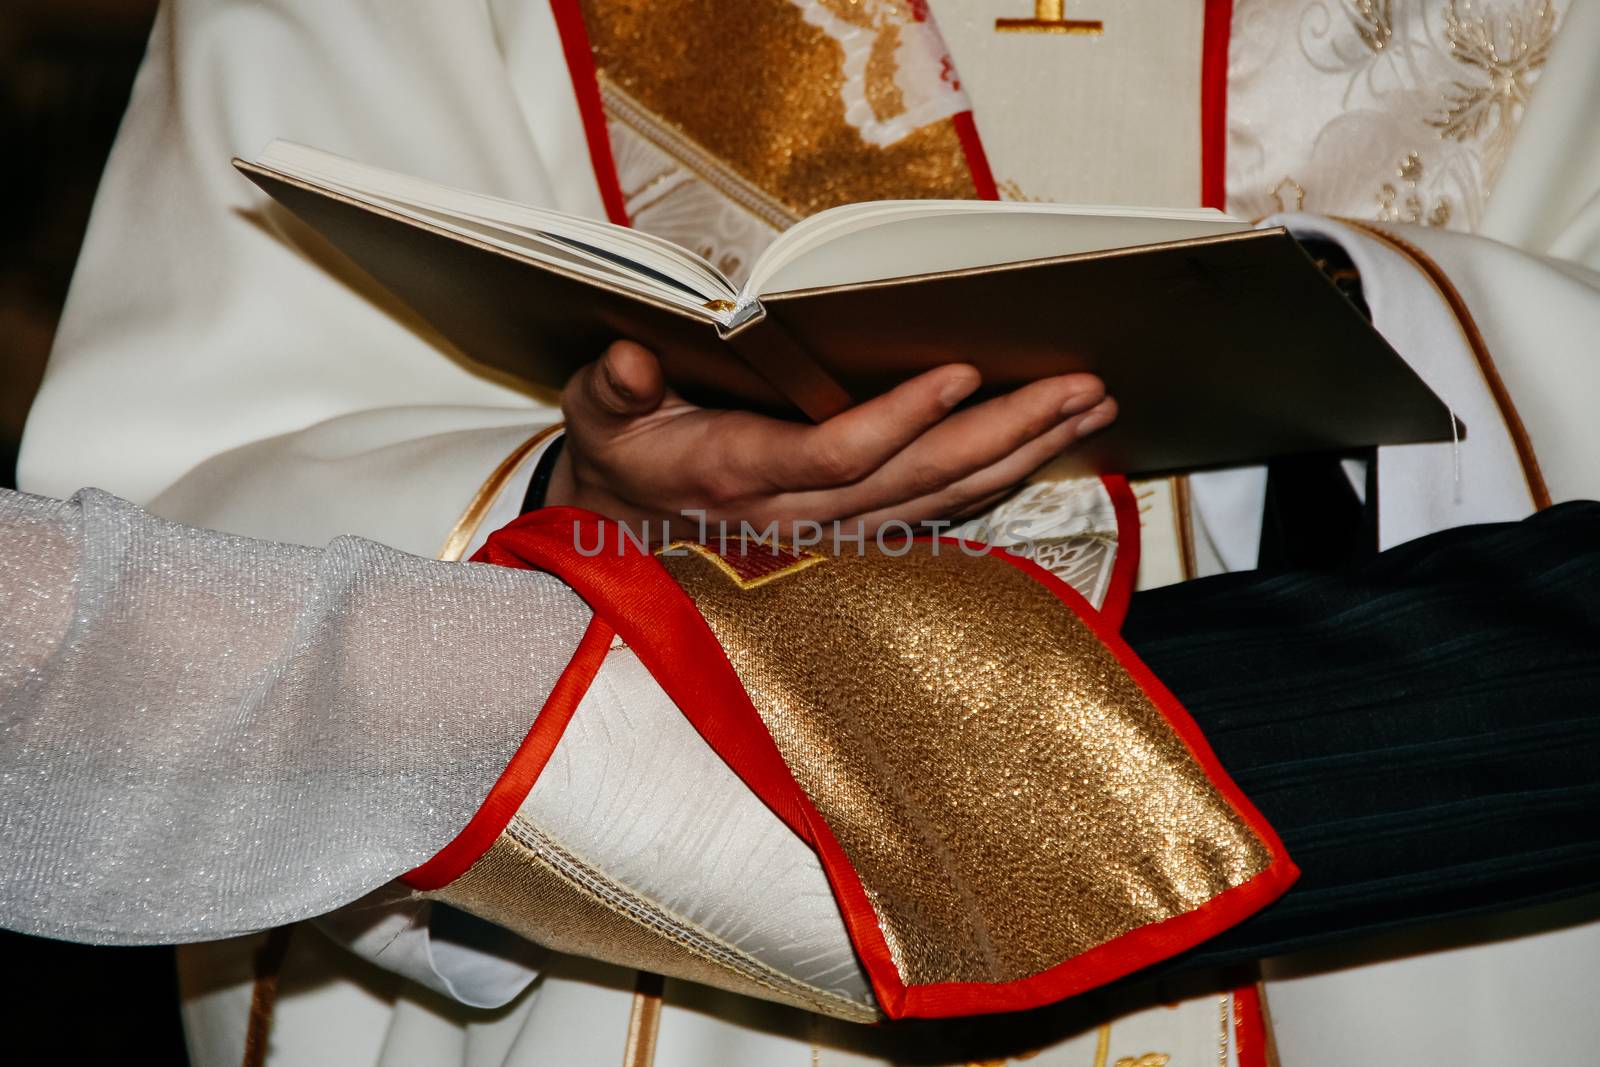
<point>203,734</point>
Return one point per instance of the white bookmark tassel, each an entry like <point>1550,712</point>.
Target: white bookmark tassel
<point>1455,450</point>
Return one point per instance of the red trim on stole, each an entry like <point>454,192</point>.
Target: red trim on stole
<point>586,85</point>
<point>1125,568</point>
<point>1249,1027</point>
<point>527,763</point>
<point>983,184</point>
<point>1214,104</point>
<point>630,590</point>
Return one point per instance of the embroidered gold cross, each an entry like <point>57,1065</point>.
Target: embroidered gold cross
<point>1050,16</point>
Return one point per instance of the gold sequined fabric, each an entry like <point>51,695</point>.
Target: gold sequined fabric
<point>759,87</point>
<point>1008,794</point>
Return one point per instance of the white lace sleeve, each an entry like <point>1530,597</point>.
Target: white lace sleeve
<point>203,734</point>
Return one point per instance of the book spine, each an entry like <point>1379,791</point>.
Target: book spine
<point>772,351</point>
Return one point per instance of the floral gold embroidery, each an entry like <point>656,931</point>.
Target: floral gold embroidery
<point>1503,55</point>
<point>1067,525</point>
<point>1408,205</point>
<point>1379,109</point>
<point>1373,21</point>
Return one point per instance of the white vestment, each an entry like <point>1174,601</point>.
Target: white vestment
<point>222,365</point>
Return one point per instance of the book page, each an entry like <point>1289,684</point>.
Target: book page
<point>894,239</point>
<point>590,247</point>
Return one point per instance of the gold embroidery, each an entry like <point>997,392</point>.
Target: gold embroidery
<point>920,775</point>
<point>683,149</point>
<point>1225,1017</point>
<point>749,562</point>
<point>1410,206</point>
<point>1373,22</point>
<point>1149,1059</point>
<point>883,19</point>
<point>883,92</point>
<point>1503,56</point>
<point>1276,192</point>
<point>531,885</point>
<point>1010,190</point>
<point>462,533</point>
<point>1050,16</point>
<point>1337,93</point>
<point>765,96</point>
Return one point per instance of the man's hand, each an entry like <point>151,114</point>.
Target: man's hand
<point>635,451</point>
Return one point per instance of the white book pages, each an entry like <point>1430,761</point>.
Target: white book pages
<point>900,239</point>
<point>596,248</point>
<point>846,245</point>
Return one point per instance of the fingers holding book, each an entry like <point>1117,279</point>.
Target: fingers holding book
<point>638,452</point>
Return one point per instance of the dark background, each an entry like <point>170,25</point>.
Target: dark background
<point>65,70</point>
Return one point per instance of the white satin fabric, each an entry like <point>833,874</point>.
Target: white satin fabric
<point>634,792</point>
<point>629,758</point>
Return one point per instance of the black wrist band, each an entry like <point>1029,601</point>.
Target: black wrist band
<point>539,484</point>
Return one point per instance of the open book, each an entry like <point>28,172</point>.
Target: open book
<point>1223,343</point>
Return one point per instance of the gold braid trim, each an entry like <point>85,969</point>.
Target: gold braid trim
<point>644,1022</point>
<point>467,526</point>
<point>264,994</point>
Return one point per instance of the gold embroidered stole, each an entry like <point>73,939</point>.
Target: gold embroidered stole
<point>731,122</point>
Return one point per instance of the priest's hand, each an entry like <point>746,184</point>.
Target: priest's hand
<point>635,451</point>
